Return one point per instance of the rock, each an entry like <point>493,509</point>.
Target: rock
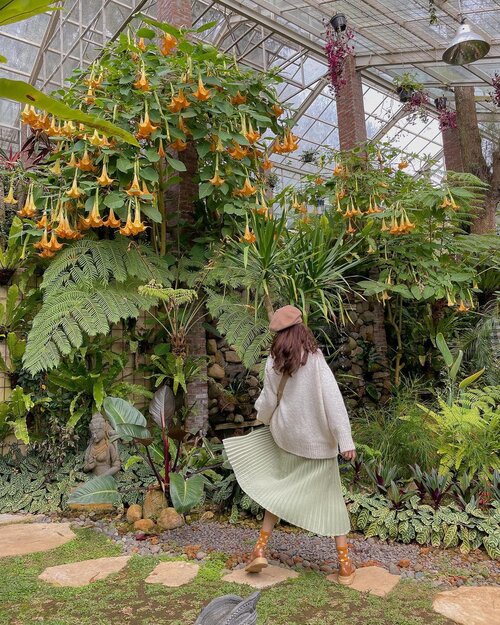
<point>173,574</point>
<point>83,573</point>
<point>470,605</point>
<point>154,502</point>
<point>211,347</point>
<point>207,516</point>
<point>134,513</point>
<point>201,555</point>
<point>252,381</point>
<point>91,508</point>
<point>269,576</point>
<point>216,372</point>
<point>419,575</point>
<point>144,525</point>
<point>170,519</point>
<point>239,418</point>
<point>372,579</point>
<point>20,539</point>
<point>393,569</point>
<point>232,357</point>
<point>10,519</point>
<point>404,564</point>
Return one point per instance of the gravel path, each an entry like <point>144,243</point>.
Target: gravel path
<point>442,567</point>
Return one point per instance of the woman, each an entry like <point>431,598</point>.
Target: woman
<point>290,467</point>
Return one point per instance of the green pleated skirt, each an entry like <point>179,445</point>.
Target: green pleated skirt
<point>302,491</point>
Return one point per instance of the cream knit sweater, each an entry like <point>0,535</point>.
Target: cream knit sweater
<point>311,420</point>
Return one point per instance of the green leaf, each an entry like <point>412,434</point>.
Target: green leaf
<point>125,419</point>
<point>101,489</point>
<point>205,27</point>
<point>21,430</point>
<point>149,174</point>
<point>444,349</point>
<point>206,189</point>
<point>114,200</point>
<point>176,164</point>
<point>75,417</point>
<point>145,33</point>
<point>166,28</point>
<point>18,10</point>
<point>456,365</point>
<point>98,393</point>
<point>131,461</point>
<point>27,94</point>
<point>152,155</point>
<point>152,213</point>
<point>124,165</point>
<point>186,493</point>
<point>471,379</point>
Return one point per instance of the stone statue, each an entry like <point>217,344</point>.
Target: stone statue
<point>230,610</point>
<point>101,455</point>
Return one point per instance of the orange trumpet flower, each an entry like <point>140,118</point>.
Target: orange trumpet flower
<point>247,189</point>
<point>277,109</point>
<point>202,94</point>
<point>142,83</point>
<point>252,135</point>
<point>10,199</point>
<point>168,43</point>
<point>85,164</point>
<point>74,192</point>
<point>54,245</point>
<point>134,189</point>
<point>146,128</point>
<point>178,145</point>
<point>104,180</point>
<point>112,221</point>
<point>248,237</point>
<point>217,181</point>
<point>238,99</point>
<point>237,152</point>
<point>178,103</point>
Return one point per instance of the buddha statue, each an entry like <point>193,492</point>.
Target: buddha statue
<point>101,455</point>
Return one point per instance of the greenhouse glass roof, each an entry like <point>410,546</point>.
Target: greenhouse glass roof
<point>391,37</point>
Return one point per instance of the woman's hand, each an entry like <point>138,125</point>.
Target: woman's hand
<point>349,455</point>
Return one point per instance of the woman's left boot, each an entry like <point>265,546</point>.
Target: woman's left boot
<point>347,570</point>
<point>258,559</point>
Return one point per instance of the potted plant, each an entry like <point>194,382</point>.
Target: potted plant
<point>308,156</point>
<point>406,85</point>
<point>338,48</point>
<point>446,117</point>
<point>495,81</point>
<point>338,22</point>
<point>441,102</point>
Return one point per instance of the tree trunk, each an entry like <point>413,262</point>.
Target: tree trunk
<point>474,161</point>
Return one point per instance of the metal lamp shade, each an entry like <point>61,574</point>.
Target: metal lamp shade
<point>466,47</point>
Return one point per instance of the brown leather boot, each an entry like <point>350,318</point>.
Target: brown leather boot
<point>347,569</point>
<point>258,560</point>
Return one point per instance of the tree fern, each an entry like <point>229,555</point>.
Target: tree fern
<point>67,315</point>
<point>247,332</point>
<point>171,296</point>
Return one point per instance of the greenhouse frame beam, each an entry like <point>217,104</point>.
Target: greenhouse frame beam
<point>398,116</point>
<point>44,44</point>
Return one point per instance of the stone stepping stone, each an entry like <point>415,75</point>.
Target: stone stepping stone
<point>173,574</point>
<point>20,539</point>
<point>270,576</point>
<point>10,519</point>
<point>371,579</point>
<point>83,573</point>
<point>470,605</point>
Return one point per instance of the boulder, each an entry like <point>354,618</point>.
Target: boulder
<point>170,519</point>
<point>134,513</point>
<point>144,525</point>
<point>216,372</point>
<point>154,502</point>
<point>211,346</point>
<point>232,357</point>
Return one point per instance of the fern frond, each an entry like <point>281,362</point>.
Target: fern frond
<point>68,314</point>
<point>176,297</point>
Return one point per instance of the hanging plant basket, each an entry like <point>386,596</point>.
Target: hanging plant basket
<point>6,276</point>
<point>441,103</point>
<point>405,93</point>
<point>339,22</point>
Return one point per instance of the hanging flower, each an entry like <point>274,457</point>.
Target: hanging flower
<point>447,119</point>
<point>85,163</point>
<point>83,224</point>
<point>338,48</point>
<point>95,219</point>
<point>10,199</point>
<point>142,82</point>
<point>74,192</point>
<point>403,165</point>
<point>42,223</point>
<point>56,168</point>
<point>161,150</point>
<point>72,161</point>
<point>202,94</point>
<point>277,110</point>
<point>141,45</point>
<point>168,43</point>
<point>177,103</point>
<point>29,208</point>
<point>146,128</point>
<point>90,97</point>
<point>237,151</point>
<point>145,192</point>
<point>462,307</point>
<point>104,180</point>
<point>248,237</point>
<point>46,254</point>
<point>266,164</point>
<point>112,221</point>
<point>247,189</point>
<point>54,245</point>
<point>64,230</point>
<point>43,242</point>
<point>53,130</point>
<point>134,190</point>
<point>238,99</point>
<point>29,115</point>
<point>179,145</point>
<point>319,180</point>
<point>351,229</point>
<point>128,229</point>
<point>181,125</point>
<point>252,135</point>
<point>137,225</point>
<point>217,181</point>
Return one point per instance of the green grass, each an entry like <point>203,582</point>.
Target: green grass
<point>124,598</point>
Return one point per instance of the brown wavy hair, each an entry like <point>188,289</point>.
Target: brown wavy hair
<point>291,348</point>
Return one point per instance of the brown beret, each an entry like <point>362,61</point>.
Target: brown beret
<point>285,318</point>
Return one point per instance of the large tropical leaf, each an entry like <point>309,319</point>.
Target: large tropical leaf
<point>162,406</point>
<point>12,11</point>
<point>27,94</point>
<point>126,420</point>
<point>186,493</point>
<point>101,489</point>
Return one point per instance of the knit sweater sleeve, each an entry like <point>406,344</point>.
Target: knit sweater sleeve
<point>335,409</point>
<point>267,400</point>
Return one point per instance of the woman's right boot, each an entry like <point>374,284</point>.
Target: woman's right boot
<point>258,559</point>
<point>347,570</point>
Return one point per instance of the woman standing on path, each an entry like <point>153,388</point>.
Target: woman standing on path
<point>290,466</point>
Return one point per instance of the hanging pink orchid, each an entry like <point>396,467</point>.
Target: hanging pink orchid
<point>447,119</point>
<point>415,107</point>
<point>338,48</point>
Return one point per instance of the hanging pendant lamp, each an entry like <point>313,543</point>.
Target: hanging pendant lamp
<point>466,47</point>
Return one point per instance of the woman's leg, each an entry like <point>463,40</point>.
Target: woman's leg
<point>258,559</point>
<point>346,565</point>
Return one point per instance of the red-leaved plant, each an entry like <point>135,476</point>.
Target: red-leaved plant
<point>415,107</point>
<point>496,87</point>
<point>447,119</point>
<point>338,47</point>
